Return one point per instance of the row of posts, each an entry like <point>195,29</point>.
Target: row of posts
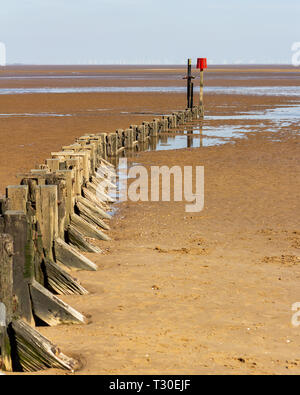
<point>128,139</point>
<point>46,223</point>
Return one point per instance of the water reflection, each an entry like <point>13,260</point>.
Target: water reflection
<point>193,138</point>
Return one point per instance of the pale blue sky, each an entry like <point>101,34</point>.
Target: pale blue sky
<point>148,31</point>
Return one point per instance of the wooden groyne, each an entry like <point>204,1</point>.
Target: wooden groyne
<point>46,223</point>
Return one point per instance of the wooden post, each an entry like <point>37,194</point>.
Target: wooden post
<point>195,112</point>
<point>201,86</point>
<point>53,164</point>
<point>129,139</point>
<point>154,128</point>
<point>135,133</point>
<point>4,201</point>
<point>75,164</point>
<point>20,352</point>
<point>23,262</point>
<point>103,137</point>
<point>189,78</point>
<point>112,145</point>
<point>64,180</point>
<point>47,216</point>
<point>174,121</point>
<point>84,155</point>
<point>189,73</point>
<point>146,130</point>
<point>141,133</point>
<point>17,197</point>
<point>6,298</point>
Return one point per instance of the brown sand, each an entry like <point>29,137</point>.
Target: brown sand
<point>176,292</point>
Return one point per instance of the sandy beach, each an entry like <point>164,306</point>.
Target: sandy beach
<point>179,293</point>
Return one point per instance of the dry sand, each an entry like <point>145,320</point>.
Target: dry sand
<point>180,293</point>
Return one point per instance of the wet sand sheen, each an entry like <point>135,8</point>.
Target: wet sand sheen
<point>262,91</point>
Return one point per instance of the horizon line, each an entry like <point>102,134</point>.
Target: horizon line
<point>144,64</point>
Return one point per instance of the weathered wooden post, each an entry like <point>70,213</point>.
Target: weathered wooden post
<point>174,119</point>
<point>182,117</point>
<point>53,164</point>
<point>112,145</point>
<point>201,65</point>
<point>147,129</point>
<point>102,139</point>
<point>129,139</point>
<point>79,228</point>
<point>34,234</point>
<point>6,298</point>
<point>189,79</point>
<point>47,216</point>
<point>154,128</point>
<point>16,225</point>
<point>166,121</point>
<point>17,196</point>
<point>141,133</point>
<point>22,347</point>
<point>189,115</point>
<point>135,133</point>
<point>85,163</point>
<point>158,124</point>
<point>195,112</point>
<point>51,233</point>
<point>192,95</point>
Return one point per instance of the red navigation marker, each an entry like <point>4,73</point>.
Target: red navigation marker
<point>201,63</point>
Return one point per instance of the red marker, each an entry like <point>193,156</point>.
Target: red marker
<point>201,65</point>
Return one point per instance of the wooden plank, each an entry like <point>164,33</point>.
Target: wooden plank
<point>67,255</point>
<point>94,199</point>
<point>98,179</point>
<point>52,310</point>
<point>93,208</point>
<point>60,282</point>
<point>77,240</point>
<point>99,192</point>
<point>90,217</point>
<point>35,352</point>
<point>87,229</point>
<point>107,164</point>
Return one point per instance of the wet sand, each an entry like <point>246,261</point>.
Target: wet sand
<point>179,293</point>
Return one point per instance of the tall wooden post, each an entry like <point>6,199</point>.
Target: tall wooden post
<point>201,86</point>
<point>189,74</point>
<point>201,65</point>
